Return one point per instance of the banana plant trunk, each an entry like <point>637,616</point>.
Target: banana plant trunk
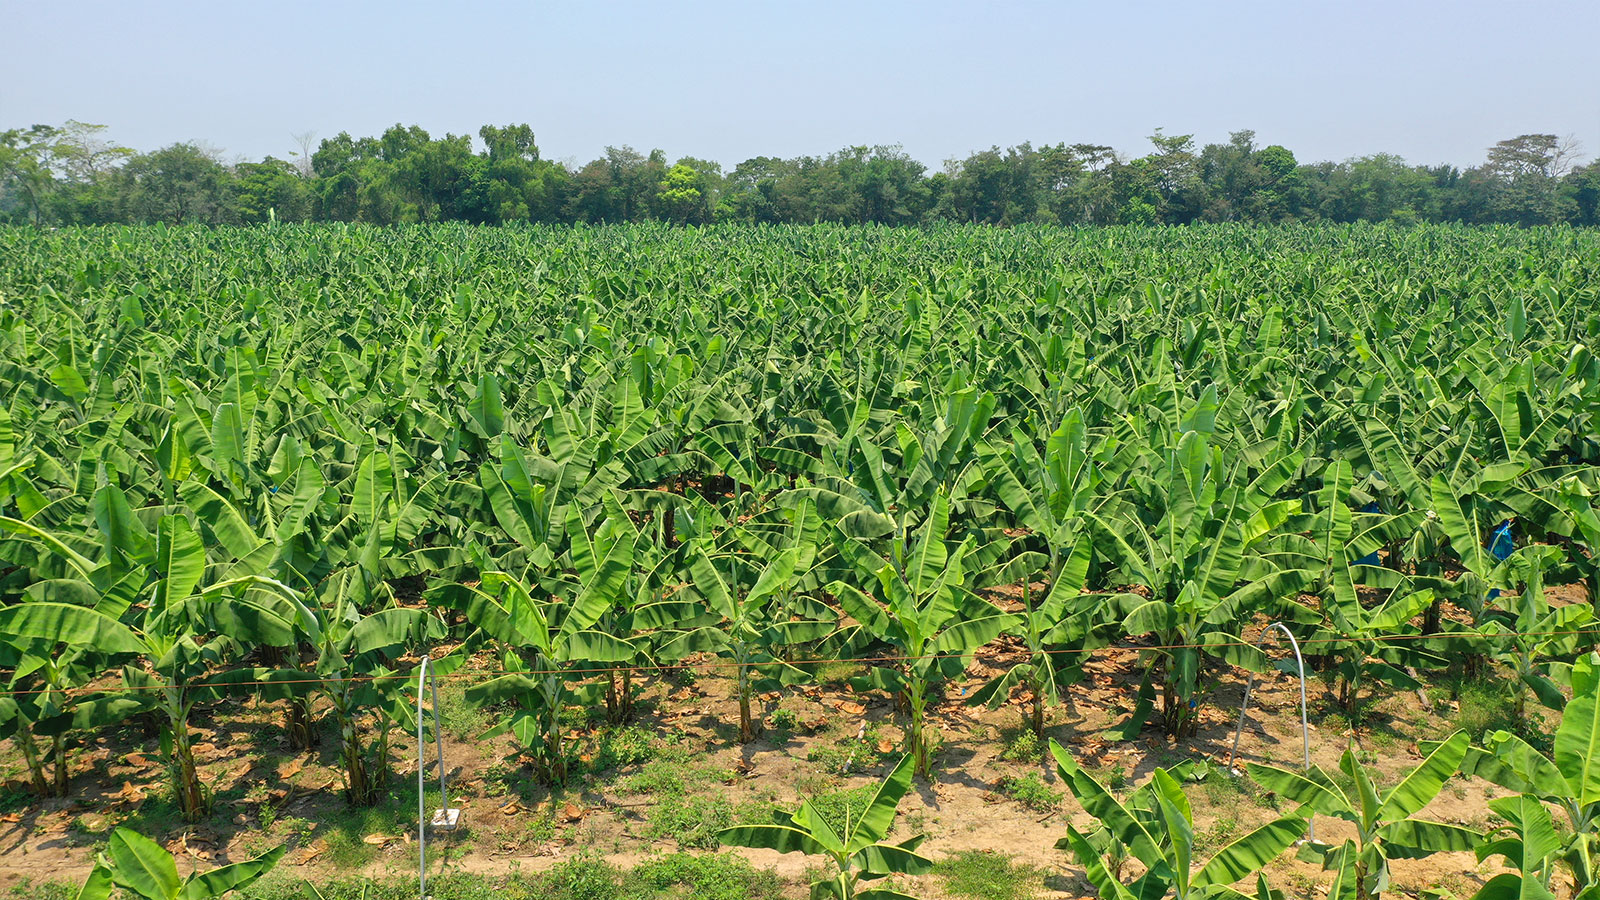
<point>30,753</point>
<point>555,757</point>
<point>921,752</point>
<point>186,779</point>
<point>359,787</point>
<point>58,750</point>
<point>297,722</point>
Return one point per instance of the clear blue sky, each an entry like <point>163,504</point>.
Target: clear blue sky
<point>1432,81</point>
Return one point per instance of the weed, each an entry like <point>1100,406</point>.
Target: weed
<point>1022,746</point>
<point>721,876</point>
<point>839,671</point>
<point>987,875</point>
<point>1031,791</point>
<point>694,821</point>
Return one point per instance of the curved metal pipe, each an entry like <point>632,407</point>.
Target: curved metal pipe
<point>1305,726</point>
<point>426,679</point>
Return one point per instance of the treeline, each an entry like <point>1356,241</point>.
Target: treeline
<point>71,175</point>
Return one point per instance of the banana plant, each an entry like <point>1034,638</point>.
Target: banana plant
<point>1385,827</point>
<point>1361,644</point>
<point>1156,827</point>
<point>1062,621</point>
<point>857,850</point>
<point>920,605</point>
<point>760,618</point>
<point>544,645</point>
<point>138,865</point>
<point>1187,538</point>
<point>1529,634</point>
<point>1567,780</point>
<point>1049,495</point>
<point>48,682</point>
<point>356,654</point>
<point>183,641</point>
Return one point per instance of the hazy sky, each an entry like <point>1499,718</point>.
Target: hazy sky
<point>1432,81</point>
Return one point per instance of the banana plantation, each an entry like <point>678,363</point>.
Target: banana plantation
<point>947,474</point>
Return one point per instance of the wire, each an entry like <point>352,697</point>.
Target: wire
<point>710,665</point>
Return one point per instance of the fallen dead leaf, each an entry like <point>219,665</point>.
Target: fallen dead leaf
<point>291,768</point>
<point>377,840</point>
<point>885,745</point>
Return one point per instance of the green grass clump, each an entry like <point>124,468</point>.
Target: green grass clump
<point>1031,791</point>
<point>1022,747</point>
<point>720,876</point>
<point>987,875</point>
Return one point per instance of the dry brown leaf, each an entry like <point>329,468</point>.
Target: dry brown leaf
<point>376,840</point>
<point>291,768</point>
<point>203,749</point>
<point>885,745</point>
<point>310,853</point>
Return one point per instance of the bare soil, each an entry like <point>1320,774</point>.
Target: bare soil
<point>266,795</point>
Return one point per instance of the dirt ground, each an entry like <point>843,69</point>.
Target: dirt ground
<point>682,773</point>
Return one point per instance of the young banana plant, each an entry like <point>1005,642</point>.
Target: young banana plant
<point>1385,827</point>
<point>1049,495</point>
<point>920,605</point>
<point>1155,827</point>
<point>1567,780</point>
<point>751,594</point>
<point>139,866</point>
<point>857,850</point>
<point>543,641</point>
<point>1062,620</point>
<point>1527,632</point>
<point>48,703</point>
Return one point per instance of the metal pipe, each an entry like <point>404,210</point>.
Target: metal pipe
<point>426,679</point>
<point>1305,726</point>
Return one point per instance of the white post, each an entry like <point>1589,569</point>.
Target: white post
<point>427,680</point>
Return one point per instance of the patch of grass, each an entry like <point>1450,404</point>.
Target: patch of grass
<point>1217,836</point>
<point>15,798</point>
<point>1022,746</point>
<point>613,748</point>
<point>987,875</point>
<point>851,754</point>
<point>842,808</point>
<point>1485,706</point>
<point>721,876</point>
<point>839,671</point>
<point>693,821</point>
<point>27,889</point>
<point>460,719</point>
<point>1031,791</point>
<point>784,722</point>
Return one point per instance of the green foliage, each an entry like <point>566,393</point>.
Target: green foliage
<point>1031,791</point>
<point>987,875</point>
<point>856,846</point>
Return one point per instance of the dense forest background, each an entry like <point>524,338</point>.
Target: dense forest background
<point>72,174</point>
